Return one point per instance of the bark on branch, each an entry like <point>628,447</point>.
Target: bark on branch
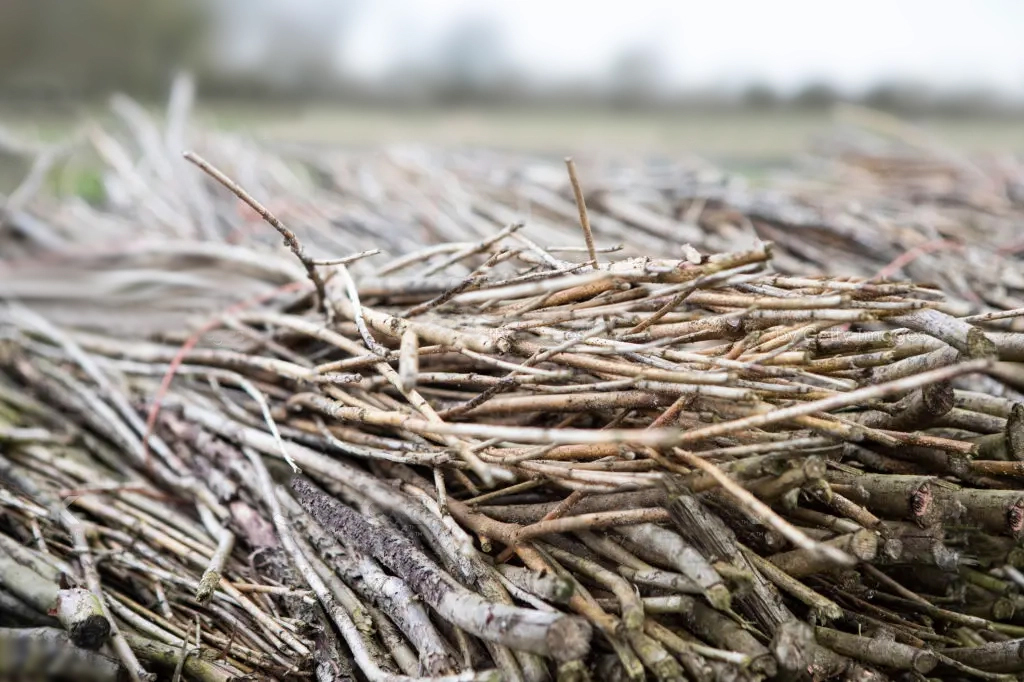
<point>548,634</point>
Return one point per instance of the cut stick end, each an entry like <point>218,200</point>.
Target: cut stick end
<point>719,597</point>
<point>568,638</point>
<point>207,586</point>
<point>836,556</point>
<point>81,614</point>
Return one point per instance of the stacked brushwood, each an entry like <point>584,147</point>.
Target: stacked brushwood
<point>503,446</point>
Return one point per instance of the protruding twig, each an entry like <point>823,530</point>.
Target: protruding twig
<point>290,240</point>
<point>581,205</point>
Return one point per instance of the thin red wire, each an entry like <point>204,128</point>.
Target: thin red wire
<point>913,254</point>
<point>190,343</point>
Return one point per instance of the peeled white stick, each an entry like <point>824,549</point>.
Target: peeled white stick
<point>409,359</point>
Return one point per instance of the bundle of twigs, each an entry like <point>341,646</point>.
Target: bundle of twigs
<point>515,456</point>
<point>878,200</point>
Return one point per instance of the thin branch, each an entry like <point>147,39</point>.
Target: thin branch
<point>290,240</point>
<point>581,205</point>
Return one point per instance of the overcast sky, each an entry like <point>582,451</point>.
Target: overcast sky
<point>945,43</point>
<point>948,44</point>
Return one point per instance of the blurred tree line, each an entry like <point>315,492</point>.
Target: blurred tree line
<point>78,49</point>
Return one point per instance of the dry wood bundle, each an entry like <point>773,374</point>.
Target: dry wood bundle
<point>515,456</point>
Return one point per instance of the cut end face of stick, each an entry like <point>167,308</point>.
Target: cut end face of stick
<point>207,586</point>
<point>80,613</point>
<point>569,638</point>
<point>835,555</point>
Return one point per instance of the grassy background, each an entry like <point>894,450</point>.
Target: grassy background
<point>743,141</point>
<point>731,134</point>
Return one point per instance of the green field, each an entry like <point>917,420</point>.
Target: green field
<point>740,134</point>
<point>739,140</point>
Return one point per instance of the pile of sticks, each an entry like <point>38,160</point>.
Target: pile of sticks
<point>524,454</point>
